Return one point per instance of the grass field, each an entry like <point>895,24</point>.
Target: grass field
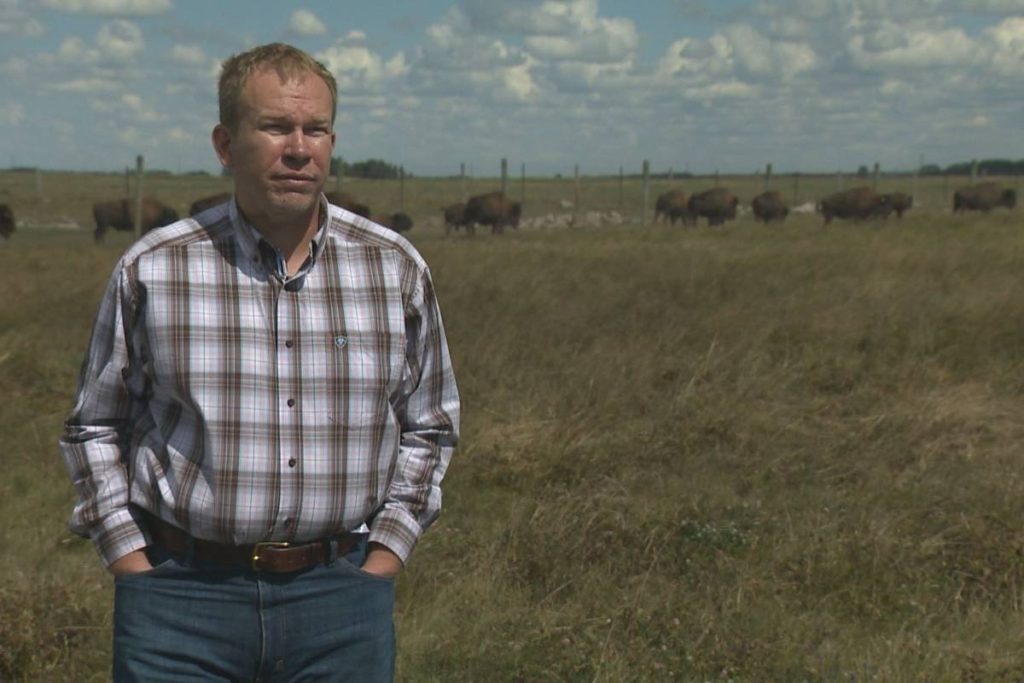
<point>748,454</point>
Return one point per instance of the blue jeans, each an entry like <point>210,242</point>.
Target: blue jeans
<point>186,622</point>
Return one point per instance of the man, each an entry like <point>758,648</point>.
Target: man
<point>265,412</point>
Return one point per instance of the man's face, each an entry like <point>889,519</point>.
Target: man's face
<point>281,151</point>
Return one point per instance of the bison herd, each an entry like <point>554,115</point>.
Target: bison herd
<point>496,211</point>
<point>859,203</point>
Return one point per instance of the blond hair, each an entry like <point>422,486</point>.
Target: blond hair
<point>289,62</point>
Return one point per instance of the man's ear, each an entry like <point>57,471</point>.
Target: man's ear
<point>221,138</point>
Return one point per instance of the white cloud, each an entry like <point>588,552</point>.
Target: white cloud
<point>980,121</point>
<point>757,55</point>
<point>305,23</point>
<point>594,40</point>
<point>894,47</point>
<point>118,8</point>
<point>189,55</point>
<point>14,20</point>
<point>11,114</point>
<point>357,69</point>
<point>83,85</point>
<point>129,136</point>
<point>120,40</point>
<point>1007,41</point>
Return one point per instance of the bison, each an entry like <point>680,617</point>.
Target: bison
<point>672,206</point>
<point>399,222</point>
<point>769,206</point>
<point>349,203</point>
<point>857,203</point>
<point>897,202</point>
<point>717,205</point>
<point>200,205</point>
<point>454,217</point>
<point>6,221</point>
<point>493,209</point>
<point>983,197</point>
<point>119,214</point>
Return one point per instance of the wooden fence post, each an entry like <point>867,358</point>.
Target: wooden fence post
<point>576,194</point>
<point>768,175</point>
<point>139,166</point>
<point>647,190</point>
<point>622,179</point>
<point>401,188</point>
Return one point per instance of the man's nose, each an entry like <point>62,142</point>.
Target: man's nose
<point>296,145</point>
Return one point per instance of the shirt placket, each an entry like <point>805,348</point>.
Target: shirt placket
<point>289,407</point>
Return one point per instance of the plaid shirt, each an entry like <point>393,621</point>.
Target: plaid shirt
<point>243,406</point>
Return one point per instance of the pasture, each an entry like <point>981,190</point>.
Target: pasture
<point>741,454</point>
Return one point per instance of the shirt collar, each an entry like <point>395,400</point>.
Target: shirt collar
<point>259,249</point>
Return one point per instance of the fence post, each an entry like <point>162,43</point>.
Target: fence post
<point>647,190</point>
<point>768,175</point>
<point>401,188</point>
<point>796,187</point>
<point>139,165</point>
<point>622,179</point>
<point>504,175</point>
<point>576,194</point>
<point>127,182</point>
<point>522,184</point>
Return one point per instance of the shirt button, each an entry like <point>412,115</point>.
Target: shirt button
<point>289,343</point>
<point>291,462</point>
<point>291,402</point>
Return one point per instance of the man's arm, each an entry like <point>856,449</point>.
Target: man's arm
<point>93,434</point>
<point>429,415</point>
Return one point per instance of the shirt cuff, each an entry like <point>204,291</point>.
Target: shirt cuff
<point>396,530</point>
<point>116,536</point>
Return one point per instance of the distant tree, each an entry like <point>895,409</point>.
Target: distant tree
<point>862,172</point>
<point>370,168</point>
<point>930,169</point>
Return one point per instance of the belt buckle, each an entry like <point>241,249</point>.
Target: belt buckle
<point>264,544</point>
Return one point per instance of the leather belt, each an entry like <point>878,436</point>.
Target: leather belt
<point>274,557</point>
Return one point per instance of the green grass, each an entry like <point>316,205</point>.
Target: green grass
<point>747,454</point>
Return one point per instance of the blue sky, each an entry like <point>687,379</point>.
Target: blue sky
<point>809,85</point>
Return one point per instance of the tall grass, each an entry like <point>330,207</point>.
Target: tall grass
<point>747,454</point>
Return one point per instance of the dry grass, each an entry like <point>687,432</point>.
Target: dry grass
<point>742,455</point>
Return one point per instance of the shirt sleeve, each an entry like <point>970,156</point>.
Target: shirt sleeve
<point>95,432</point>
<point>429,413</point>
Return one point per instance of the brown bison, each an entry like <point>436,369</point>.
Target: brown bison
<point>119,214</point>
<point>349,203</point>
<point>717,205</point>
<point>6,221</point>
<point>200,205</point>
<point>983,197</point>
<point>672,206</point>
<point>454,217</point>
<point>857,203</point>
<point>768,206</point>
<point>897,202</point>
<point>493,209</point>
<point>399,222</point>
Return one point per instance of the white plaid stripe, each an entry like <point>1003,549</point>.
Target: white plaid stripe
<point>208,376</point>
